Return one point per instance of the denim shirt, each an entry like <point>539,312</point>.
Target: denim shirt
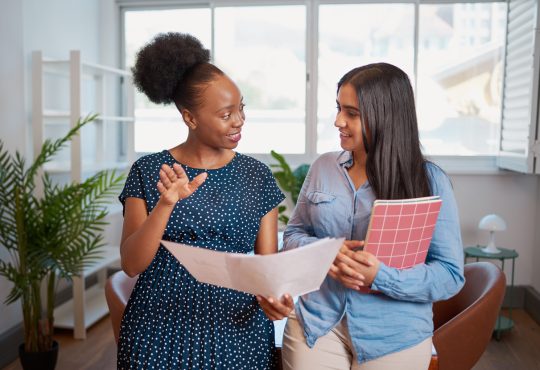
<point>400,317</point>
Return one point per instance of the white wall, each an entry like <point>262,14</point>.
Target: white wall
<point>536,246</point>
<point>12,131</point>
<point>12,115</point>
<point>512,196</point>
<point>55,27</point>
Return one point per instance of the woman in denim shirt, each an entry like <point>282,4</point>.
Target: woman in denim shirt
<point>344,325</point>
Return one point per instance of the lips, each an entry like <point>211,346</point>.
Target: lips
<point>235,137</point>
<point>344,135</point>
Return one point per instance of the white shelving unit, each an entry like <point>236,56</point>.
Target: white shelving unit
<point>87,305</point>
<point>112,98</point>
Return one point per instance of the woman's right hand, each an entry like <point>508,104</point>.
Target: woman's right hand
<point>174,184</point>
<point>347,265</point>
<point>276,309</point>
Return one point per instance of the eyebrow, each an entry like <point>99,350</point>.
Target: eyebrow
<point>230,106</point>
<point>347,106</point>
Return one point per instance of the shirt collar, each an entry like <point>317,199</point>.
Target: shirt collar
<point>345,159</point>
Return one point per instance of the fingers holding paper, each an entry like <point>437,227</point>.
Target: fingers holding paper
<point>276,309</point>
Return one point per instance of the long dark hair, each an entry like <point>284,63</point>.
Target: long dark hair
<point>395,166</point>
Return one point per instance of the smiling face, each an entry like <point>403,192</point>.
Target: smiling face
<point>348,119</point>
<point>218,121</point>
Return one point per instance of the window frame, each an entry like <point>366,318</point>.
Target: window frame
<point>453,164</point>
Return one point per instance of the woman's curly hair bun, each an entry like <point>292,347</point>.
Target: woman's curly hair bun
<point>162,63</point>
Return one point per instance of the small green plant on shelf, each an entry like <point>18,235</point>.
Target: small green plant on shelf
<point>49,234</point>
<point>289,181</point>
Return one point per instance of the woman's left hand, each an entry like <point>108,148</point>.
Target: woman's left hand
<point>276,309</point>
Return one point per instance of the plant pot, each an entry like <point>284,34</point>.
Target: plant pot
<point>39,360</point>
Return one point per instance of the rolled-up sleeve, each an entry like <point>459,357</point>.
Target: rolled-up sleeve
<point>441,276</point>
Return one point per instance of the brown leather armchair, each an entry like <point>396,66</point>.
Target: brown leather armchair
<point>463,324</point>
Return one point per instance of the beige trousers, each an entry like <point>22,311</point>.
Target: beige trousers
<point>335,351</point>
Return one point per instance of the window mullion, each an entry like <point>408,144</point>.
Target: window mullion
<point>212,7</point>
<point>415,46</point>
<point>312,58</point>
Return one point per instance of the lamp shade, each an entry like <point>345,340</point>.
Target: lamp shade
<point>492,223</point>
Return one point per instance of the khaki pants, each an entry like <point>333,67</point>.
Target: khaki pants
<point>335,351</point>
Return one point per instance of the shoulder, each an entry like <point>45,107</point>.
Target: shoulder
<point>329,158</point>
<point>251,164</point>
<point>151,162</point>
<point>327,162</point>
<point>438,179</point>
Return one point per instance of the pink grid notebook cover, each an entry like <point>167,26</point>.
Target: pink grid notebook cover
<point>400,231</point>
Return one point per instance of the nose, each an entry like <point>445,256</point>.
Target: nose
<point>339,121</point>
<point>239,119</point>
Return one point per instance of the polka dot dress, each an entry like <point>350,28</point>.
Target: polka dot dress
<point>173,322</point>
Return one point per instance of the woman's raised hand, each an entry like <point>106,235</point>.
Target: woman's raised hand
<point>174,184</point>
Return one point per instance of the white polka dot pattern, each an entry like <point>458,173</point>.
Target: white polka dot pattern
<point>172,321</point>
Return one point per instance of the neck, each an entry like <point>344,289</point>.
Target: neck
<point>195,154</point>
<point>357,171</point>
<point>359,161</point>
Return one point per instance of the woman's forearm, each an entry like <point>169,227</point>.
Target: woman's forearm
<point>138,250</point>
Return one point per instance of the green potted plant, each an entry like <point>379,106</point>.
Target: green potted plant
<point>289,181</point>
<point>49,236</point>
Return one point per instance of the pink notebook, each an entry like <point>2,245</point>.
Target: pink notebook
<point>400,231</point>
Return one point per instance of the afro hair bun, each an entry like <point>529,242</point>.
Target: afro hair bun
<point>162,63</point>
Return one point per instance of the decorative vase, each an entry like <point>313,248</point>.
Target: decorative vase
<point>39,360</point>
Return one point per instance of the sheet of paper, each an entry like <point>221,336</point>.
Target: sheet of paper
<point>296,271</point>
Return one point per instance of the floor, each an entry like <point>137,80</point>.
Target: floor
<point>518,349</point>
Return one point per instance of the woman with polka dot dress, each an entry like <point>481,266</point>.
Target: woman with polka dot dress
<point>201,193</point>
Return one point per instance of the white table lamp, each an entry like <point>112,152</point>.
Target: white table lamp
<point>492,223</point>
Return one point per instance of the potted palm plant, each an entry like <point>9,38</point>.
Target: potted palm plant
<point>289,180</point>
<point>50,235</point>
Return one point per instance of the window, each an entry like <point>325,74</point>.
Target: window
<point>262,48</point>
<point>460,63</point>
<point>159,127</point>
<point>290,53</point>
<point>520,137</point>
<point>386,33</point>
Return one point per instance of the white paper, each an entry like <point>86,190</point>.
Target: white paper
<point>296,272</point>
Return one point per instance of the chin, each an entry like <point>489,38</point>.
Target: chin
<point>231,145</point>
<point>346,147</point>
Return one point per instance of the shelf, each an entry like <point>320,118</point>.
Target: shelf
<point>65,167</point>
<point>87,305</point>
<point>52,113</point>
<point>95,309</point>
<point>88,66</point>
<point>101,68</point>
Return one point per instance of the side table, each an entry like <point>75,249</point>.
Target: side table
<point>503,323</point>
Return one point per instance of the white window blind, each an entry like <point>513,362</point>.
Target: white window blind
<point>519,148</point>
